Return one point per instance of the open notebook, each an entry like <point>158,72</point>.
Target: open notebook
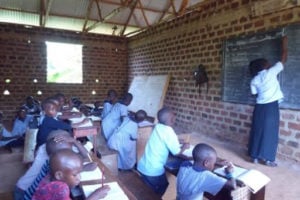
<point>252,178</point>
<point>91,175</point>
<point>115,192</point>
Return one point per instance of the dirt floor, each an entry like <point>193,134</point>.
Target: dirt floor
<point>285,179</point>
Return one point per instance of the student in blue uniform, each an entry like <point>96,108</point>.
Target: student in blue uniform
<point>263,139</point>
<point>163,140</point>
<point>112,98</point>
<point>116,116</point>
<point>16,136</point>
<point>51,123</point>
<point>195,179</point>
<point>124,139</point>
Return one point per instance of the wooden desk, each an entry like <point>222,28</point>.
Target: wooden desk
<point>87,131</point>
<point>77,193</point>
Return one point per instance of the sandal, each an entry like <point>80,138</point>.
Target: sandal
<point>270,163</point>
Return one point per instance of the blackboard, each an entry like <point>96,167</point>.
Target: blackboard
<point>238,52</point>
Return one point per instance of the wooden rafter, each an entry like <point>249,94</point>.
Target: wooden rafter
<point>87,16</point>
<point>110,15</point>
<point>173,8</point>
<point>165,11</point>
<point>143,12</point>
<point>47,12</point>
<point>99,10</point>
<point>138,7</point>
<point>132,7</point>
<point>42,12</point>
<point>183,7</point>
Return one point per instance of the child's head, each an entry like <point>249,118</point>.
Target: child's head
<point>127,99</point>
<point>29,101</point>
<point>112,96</point>
<point>205,155</point>
<point>50,108</point>
<point>140,116</point>
<point>97,104</point>
<point>65,166</point>
<point>21,113</point>
<point>53,146</point>
<point>258,65</point>
<point>166,116</point>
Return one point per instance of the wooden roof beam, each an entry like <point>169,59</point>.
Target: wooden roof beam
<point>87,16</point>
<point>42,12</point>
<point>110,15</point>
<point>143,12</point>
<point>132,7</point>
<point>47,12</point>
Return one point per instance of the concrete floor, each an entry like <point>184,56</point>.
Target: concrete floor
<point>285,179</point>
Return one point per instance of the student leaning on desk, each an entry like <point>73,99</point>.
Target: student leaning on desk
<point>195,179</point>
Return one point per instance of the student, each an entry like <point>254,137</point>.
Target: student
<point>195,179</point>
<point>124,139</point>
<point>50,122</point>
<point>62,102</point>
<point>97,110</point>
<point>65,168</point>
<point>263,138</point>
<point>56,140</point>
<point>109,102</point>
<point>162,141</point>
<point>15,138</point>
<point>32,106</point>
<point>115,117</point>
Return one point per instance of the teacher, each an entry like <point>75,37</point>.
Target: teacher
<point>263,139</point>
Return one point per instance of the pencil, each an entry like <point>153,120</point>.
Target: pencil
<point>102,181</point>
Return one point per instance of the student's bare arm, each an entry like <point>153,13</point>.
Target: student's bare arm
<point>284,49</point>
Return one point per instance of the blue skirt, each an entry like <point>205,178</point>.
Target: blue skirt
<point>263,139</point>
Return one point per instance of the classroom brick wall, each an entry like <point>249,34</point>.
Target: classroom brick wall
<point>104,58</point>
<point>178,46</point>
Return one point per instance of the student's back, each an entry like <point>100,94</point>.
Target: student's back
<point>195,179</point>
<point>115,117</point>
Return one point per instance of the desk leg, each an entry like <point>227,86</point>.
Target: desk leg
<point>260,195</point>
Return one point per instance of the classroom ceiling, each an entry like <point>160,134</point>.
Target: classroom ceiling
<point>112,17</point>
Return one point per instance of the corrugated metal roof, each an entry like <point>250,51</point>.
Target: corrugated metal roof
<point>120,17</point>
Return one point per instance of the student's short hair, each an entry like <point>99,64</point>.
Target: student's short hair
<point>58,159</point>
<point>59,95</point>
<point>128,96</point>
<point>203,151</point>
<point>140,115</point>
<point>163,115</point>
<point>111,92</point>
<point>256,66</point>
<point>46,104</point>
<point>58,132</point>
<point>47,101</point>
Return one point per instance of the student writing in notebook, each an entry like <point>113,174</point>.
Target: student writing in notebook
<point>163,140</point>
<point>195,179</point>
<point>65,168</point>
<point>56,140</point>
